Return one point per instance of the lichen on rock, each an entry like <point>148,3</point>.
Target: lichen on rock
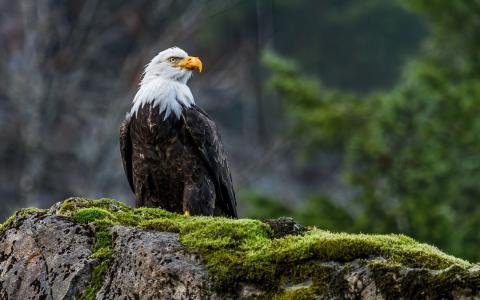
<point>152,253</point>
<point>168,271</point>
<point>44,256</point>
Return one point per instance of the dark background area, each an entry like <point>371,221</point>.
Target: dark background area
<point>358,116</point>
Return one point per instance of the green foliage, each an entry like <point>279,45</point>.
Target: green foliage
<point>353,45</point>
<point>322,212</point>
<point>319,116</point>
<point>260,206</point>
<point>370,39</point>
<point>413,151</point>
<point>243,250</point>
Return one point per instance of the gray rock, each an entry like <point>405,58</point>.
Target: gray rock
<point>285,226</point>
<point>55,208</point>
<point>47,256</point>
<point>153,265</point>
<point>44,257</point>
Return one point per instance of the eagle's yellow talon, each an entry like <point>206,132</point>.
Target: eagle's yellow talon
<point>186,213</point>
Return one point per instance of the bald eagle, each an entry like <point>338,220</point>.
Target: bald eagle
<point>171,149</point>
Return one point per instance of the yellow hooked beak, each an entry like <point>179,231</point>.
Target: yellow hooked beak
<point>191,63</point>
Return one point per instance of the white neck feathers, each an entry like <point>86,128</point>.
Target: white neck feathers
<point>169,95</point>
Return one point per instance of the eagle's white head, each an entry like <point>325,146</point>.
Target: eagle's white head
<point>164,82</point>
<point>172,64</point>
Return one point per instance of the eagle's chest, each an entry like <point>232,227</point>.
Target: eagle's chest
<point>163,158</point>
<point>157,137</point>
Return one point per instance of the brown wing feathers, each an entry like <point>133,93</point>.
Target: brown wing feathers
<point>126,151</point>
<point>206,137</point>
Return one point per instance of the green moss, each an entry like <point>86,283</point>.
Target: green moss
<point>21,214</point>
<point>161,225</point>
<point>440,283</point>
<point>153,213</point>
<point>103,251</point>
<point>244,251</point>
<point>96,282</point>
<point>87,215</point>
<point>253,257</point>
<point>299,294</point>
<point>71,205</point>
<point>128,218</point>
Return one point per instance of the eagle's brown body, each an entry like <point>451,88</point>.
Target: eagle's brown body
<point>177,163</point>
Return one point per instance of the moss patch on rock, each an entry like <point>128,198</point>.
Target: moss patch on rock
<point>20,214</point>
<point>246,251</point>
<point>102,250</point>
<point>101,220</point>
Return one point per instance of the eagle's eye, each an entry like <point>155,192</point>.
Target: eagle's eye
<point>173,59</point>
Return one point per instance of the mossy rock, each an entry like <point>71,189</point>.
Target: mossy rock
<point>295,263</point>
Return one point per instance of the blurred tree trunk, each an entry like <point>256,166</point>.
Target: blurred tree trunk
<point>264,9</point>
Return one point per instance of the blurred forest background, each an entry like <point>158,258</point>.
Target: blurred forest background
<point>351,115</point>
